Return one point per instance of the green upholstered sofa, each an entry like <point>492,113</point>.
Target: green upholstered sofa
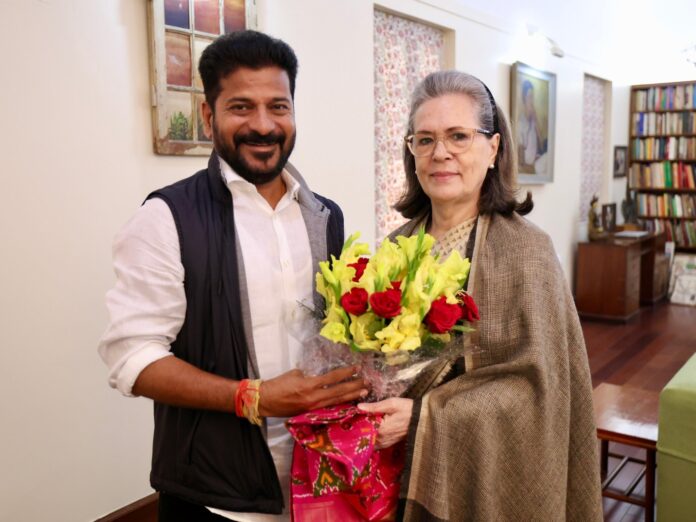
<point>676,447</point>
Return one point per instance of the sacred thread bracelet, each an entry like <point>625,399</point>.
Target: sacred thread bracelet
<point>246,400</point>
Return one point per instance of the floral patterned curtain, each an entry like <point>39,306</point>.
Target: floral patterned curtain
<point>594,136</point>
<point>405,52</point>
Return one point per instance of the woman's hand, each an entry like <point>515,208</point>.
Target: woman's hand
<point>397,416</point>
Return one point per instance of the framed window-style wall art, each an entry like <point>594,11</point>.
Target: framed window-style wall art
<point>179,31</point>
<point>533,121</point>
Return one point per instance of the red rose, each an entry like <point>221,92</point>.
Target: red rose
<point>359,266</point>
<point>469,309</point>
<point>396,285</point>
<point>386,304</point>
<point>442,316</point>
<point>355,301</point>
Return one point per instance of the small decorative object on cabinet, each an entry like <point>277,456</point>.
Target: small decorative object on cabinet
<point>594,224</point>
<point>662,159</point>
<point>609,217</point>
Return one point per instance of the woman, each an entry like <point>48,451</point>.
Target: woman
<point>512,436</point>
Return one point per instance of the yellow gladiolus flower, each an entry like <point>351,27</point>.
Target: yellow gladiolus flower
<point>389,263</point>
<point>327,293</point>
<point>325,267</point>
<point>403,333</point>
<point>415,246</point>
<point>335,332</point>
<point>411,343</point>
<point>352,250</point>
<point>343,275</point>
<point>335,314</point>
<point>363,329</point>
<point>450,276</point>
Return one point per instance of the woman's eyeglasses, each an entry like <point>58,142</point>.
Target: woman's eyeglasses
<point>455,141</point>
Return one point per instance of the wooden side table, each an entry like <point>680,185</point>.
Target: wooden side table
<point>628,416</point>
<point>615,276</point>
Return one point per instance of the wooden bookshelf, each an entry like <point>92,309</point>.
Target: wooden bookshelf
<point>662,159</point>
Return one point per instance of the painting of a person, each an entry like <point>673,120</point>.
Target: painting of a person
<point>531,141</point>
<point>528,133</point>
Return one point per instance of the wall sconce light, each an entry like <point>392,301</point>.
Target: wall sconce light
<point>552,45</point>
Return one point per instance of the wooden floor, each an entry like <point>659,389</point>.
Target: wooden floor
<point>645,352</point>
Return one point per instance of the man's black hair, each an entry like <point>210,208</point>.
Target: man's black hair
<point>248,48</point>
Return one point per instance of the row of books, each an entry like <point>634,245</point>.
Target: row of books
<point>671,148</point>
<point>651,123</point>
<point>683,233</point>
<point>673,97</point>
<point>666,205</point>
<point>663,174</point>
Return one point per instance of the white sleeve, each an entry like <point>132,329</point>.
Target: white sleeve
<point>147,305</point>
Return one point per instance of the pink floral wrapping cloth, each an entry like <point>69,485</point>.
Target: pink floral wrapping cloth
<point>337,474</point>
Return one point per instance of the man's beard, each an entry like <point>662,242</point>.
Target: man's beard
<point>235,159</point>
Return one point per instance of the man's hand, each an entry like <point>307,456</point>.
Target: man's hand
<point>293,393</point>
<point>397,416</point>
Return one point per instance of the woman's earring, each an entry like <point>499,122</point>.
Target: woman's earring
<point>491,166</point>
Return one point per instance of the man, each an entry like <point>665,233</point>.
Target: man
<point>210,274</point>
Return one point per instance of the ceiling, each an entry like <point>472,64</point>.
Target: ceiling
<point>637,40</point>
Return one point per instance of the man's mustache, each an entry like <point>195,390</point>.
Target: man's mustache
<point>255,138</point>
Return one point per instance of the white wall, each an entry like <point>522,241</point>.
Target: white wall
<point>77,161</point>
<point>333,99</point>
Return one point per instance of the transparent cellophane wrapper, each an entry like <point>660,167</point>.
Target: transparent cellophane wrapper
<point>396,374</point>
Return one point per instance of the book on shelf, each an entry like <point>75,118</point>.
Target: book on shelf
<point>662,159</point>
<point>673,97</point>
<point>683,233</point>
<point>664,148</point>
<point>653,123</point>
<point>666,205</point>
<point>665,174</point>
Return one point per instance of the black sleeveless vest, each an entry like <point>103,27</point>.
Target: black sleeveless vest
<point>207,457</point>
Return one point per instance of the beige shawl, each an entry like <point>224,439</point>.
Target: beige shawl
<point>514,437</point>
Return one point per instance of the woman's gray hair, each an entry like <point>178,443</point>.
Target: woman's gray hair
<point>452,82</point>
<point>498,193</point>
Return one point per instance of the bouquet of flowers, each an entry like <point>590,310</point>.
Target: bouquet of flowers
<point>394,313</point>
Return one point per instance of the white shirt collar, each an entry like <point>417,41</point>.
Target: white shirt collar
<point>231,177</point>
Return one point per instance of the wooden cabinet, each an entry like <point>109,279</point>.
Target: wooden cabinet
<point>614,276</point>
<point>662,159</point>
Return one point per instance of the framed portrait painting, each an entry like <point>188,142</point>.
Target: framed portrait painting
<point>179,31</point>
<point>533,122</point>
<point>620,153</point>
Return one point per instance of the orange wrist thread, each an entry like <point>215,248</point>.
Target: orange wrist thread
<point>246,400</point>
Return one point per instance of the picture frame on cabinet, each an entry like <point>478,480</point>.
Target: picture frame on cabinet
<point>533,122</point>
<point>620,161</point>
<point>609,217</point>
<point>179,31</point>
